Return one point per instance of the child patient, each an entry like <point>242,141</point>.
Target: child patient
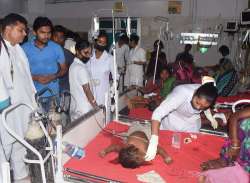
<point>131,154</point>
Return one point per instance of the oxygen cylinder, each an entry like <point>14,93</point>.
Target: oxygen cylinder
<point>36,138</point>
<point>34,130</point>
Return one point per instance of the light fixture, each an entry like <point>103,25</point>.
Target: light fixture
<point>203,50</point>
<point>201,38</point>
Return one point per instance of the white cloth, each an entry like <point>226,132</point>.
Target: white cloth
<point>15,153</point>
<point>150,177</point>
<point>134,73</point>
<point>176,112</point>
<point>220,116</point>
<point>211,118</point>
<point>78,76</point>
<point>70,45</point>
<point>99,70</point>
<point>21,90</point>
<point>208,79</point>
<point>3,92</point>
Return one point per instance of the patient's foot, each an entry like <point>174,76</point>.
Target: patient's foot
<point>213,164</point>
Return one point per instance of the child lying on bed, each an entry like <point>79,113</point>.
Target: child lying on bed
<point>131,154</point>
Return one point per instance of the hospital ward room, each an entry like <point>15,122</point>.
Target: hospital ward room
<point>124,91</point>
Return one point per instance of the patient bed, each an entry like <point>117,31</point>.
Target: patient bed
<point>88,132</point>
<point>185,166</point>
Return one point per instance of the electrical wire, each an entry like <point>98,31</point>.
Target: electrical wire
<point>115,134</point>
<point>112,132</point>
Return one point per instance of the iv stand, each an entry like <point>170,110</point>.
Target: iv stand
<point>158,49</point>
<point>115,62</point>
<point>115,69</point>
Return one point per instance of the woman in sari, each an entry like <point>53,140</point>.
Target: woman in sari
<point>154,92</point>
<point>224,73</point>
<point>234,162</point>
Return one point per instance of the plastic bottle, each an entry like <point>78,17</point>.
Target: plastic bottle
<point>73,150</point>
<point>176,140</point>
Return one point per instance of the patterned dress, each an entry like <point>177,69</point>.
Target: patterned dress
<point>226,78</point>
<point>244,137</point>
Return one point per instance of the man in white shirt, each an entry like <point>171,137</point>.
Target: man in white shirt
<point>137,59</point>
<point>15,72</point>
<point>180,111</point>
<point>100,66</point>
<point>82,100</point>
<point>122,56</point>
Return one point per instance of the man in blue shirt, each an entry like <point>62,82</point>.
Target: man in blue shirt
<point>46,59</point>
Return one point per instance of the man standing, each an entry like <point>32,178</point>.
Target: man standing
<point>122,55</point>
<point>46,58</point>
<point>18,84</point>
<point>82,100</point>
<point>137,59</point>
<point>100,67</point>
<point>185,56</point>
<point>58,36</point>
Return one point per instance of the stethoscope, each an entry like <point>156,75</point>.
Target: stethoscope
<point>11,63</point>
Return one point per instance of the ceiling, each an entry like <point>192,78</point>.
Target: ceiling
<point>72,1</point>
<point>69,1</point>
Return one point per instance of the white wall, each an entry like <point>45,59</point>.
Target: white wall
<point>8,6</point>
<point>209,14</point>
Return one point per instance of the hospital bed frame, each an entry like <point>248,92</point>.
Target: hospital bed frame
<point>41,161</point>
<point>90,125</point>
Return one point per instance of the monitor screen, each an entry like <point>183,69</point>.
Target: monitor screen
<point>245,17</point>
<point>231,25</point>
